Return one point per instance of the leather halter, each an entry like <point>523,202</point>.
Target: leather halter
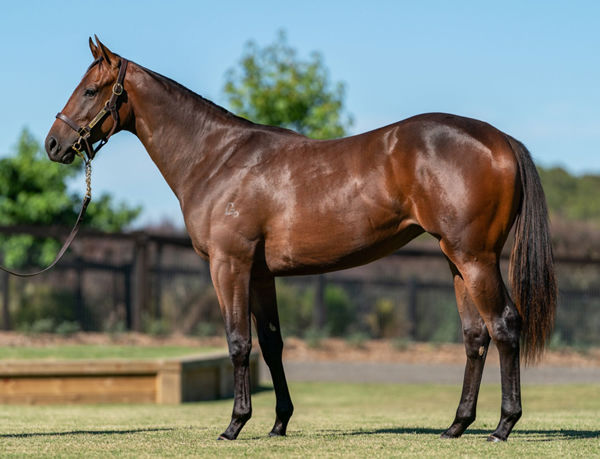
<point>83,142</point>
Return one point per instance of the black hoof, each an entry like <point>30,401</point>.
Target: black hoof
<point>272,433</point>
<point>447,436</point>
<point>223,437</point>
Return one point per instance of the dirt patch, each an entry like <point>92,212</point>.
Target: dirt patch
<point>419,353</point>
<point>330,349</point>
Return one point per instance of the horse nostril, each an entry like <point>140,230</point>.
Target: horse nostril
<point>52,145</point>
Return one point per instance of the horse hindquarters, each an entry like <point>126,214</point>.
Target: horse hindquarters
<point>474,247</point>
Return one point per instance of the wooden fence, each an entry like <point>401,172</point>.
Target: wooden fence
<point>144,271</point>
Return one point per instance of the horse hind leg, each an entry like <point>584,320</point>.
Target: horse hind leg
<point>484,285</point>
<point>266,319</point>
<point>476,340</point>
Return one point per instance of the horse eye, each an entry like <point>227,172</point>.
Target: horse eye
<point>90,92</point>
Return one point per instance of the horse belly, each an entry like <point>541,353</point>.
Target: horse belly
<point>327,244</point>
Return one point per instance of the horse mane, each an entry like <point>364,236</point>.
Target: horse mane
<point>215,107</point>
<point>172,83</point>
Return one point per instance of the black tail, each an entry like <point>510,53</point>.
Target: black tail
<point>531,270</point>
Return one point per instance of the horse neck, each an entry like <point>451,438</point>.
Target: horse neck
<point>175,126</point>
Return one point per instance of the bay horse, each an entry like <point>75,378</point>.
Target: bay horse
<point>262,201</point>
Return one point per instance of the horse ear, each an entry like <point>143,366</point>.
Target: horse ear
<point>109,57</point>
<point>94,49</point>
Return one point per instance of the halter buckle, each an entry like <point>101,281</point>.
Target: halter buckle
<point>77,149</point>
<point>117,89</point>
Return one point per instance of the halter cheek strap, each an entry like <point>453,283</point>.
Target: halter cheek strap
<point>83,142</point>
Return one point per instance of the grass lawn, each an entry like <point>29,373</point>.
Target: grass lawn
<point>93,351</point>
<point>359,420</point>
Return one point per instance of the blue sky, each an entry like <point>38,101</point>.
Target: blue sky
<point>530,68</point>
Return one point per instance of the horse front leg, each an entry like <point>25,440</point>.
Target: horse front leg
<point>231,278</point>
<point>264,310</point>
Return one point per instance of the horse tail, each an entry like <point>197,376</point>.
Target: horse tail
<point>531,269</point>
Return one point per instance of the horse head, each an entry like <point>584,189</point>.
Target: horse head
<point>84,120</point>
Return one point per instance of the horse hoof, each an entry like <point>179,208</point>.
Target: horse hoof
<point>272,433</point>
<point>447,436</point>
<point>494,439</point>
<point>223,437</point>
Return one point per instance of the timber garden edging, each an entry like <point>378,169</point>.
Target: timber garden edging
<point>165,381</point>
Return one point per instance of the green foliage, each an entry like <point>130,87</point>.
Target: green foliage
<point>204,329</point>
<point>42,307</point>
<point>340,310</point>
<point>314,337</point>
<point>33,191</point>
<point>156,327</point>
<point>384,319</point>
<point>67,328</point>
<point>437,318</point>
<point>569,196</point>
<point>295,306</point>
<point>358,339</point>
<point>273,86</point>
<point>296,311</point>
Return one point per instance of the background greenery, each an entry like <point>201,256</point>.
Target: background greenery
<point>34,191</point>
<point>273,86</point>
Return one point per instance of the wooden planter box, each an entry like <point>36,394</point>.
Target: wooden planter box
<point>173,380</point>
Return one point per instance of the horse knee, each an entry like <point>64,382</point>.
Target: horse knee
<point>239,351</point>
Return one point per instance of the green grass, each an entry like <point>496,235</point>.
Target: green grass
<point>357,420</point>
<point>90,351</point>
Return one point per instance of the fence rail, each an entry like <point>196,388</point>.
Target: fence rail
<point>139,278</point>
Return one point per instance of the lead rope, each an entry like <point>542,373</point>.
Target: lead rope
<point>86,200</point>
<point>88,178</point>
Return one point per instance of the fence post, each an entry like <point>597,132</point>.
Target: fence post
<point>320,313</point>
<point>128,297</point>
<point>158,283</point>
<point>79,305</point>
<point>6,325</point>
<point>140,280</point>
<point>413,291</point>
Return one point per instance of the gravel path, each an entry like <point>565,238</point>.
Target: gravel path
<point>377,372</point>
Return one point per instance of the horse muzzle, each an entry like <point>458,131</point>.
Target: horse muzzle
<point>57,152</point>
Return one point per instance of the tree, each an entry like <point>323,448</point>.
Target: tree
<point>570,196</point>
<point>33,191</point>
<point>273,86</point>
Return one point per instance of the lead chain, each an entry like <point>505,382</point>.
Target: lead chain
<point>88,179</point>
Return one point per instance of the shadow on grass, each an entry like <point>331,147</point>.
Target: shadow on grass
<point>84,432</point>
<point>543,435</point>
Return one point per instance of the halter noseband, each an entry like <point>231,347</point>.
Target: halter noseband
<point>83,142</point>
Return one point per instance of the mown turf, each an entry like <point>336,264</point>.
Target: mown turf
<point>358,420</point>
<point>91,351</point>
